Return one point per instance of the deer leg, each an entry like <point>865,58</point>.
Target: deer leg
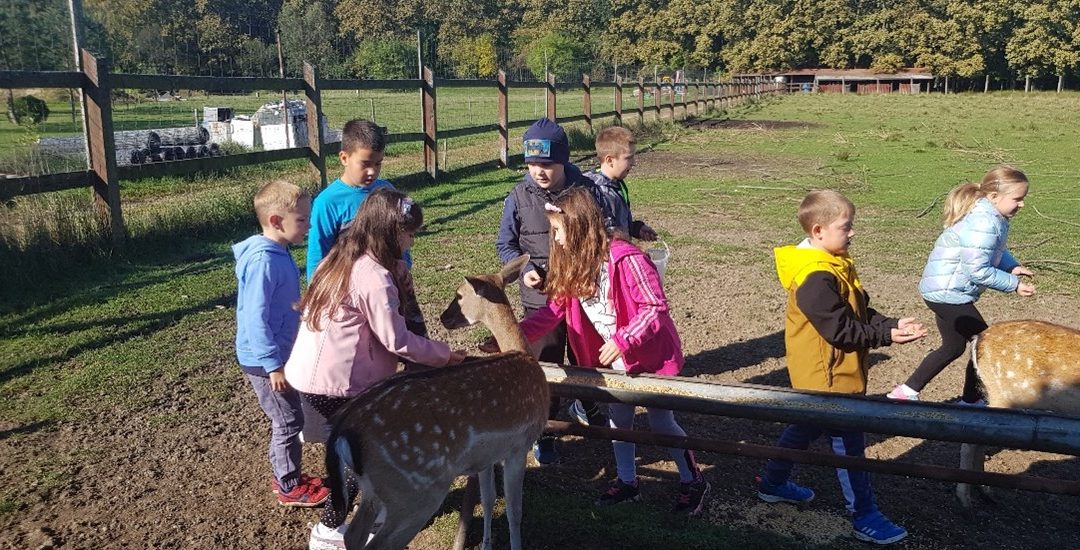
<point>360,527</point>
<point>971,459</point>
<point>487,500</point>
<point>513,478</point>
<point>468,504</point>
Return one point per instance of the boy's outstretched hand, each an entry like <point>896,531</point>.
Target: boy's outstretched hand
<point>907,330</point>
<point>532,279</point>
<point>456,356</point>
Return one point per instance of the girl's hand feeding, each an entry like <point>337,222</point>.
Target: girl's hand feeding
<point>456,357</point>
<point>609,352</point>
<point>1025,289</point>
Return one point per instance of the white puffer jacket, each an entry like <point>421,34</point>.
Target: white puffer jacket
<point>969,257</point>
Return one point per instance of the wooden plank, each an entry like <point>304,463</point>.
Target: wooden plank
<point>102,147</point>
<point>407,84</point>
<point>527,85</point>
<point>470,131</point>
<point>208,164</point>
<point>428,120</point>
<point>466,83</point>
<point>313,104</point>
<point>40,79</point>
<point>46,183</point>
<point>504,119</point>
<point>574,118</point>
<point>606,114</point>
<point>520,124</point>
<point>207,83</point>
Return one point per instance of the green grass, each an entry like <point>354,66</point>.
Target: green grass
<point>82,332</point>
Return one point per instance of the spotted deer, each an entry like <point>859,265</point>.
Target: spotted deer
<point>407,438</point>
<point>1023,365</point>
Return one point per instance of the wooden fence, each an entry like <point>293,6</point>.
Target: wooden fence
<point>96,84</point>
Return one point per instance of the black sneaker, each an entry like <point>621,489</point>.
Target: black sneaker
<point>544,450</point>
<point>619,492</point>
<point>691,497</point>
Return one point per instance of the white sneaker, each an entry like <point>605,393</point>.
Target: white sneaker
<point>903,393</point>
<point>327,538</point>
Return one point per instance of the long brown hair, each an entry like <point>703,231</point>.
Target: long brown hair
<point>383,216</point>
<point>962,197</point>
<point>575,266</point>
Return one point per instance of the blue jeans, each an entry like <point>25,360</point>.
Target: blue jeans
<point>286,420</point>
<point>799,436</point>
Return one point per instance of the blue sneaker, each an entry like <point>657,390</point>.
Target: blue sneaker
<point>544,450</point>
<point>577,412</point>
<point>788,492</point>
<point>876,528</point>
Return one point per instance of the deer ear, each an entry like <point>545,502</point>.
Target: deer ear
<point>512,270</point>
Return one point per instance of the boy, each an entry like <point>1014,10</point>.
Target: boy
<point>828,331</point>
<point>615,150</point>
<point>524,229</point>
<point>266,324</point>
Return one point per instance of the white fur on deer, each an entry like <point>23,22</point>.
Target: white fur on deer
<point>408,437</point>
<point>1023,365</point>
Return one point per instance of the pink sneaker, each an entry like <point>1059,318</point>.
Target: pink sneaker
<point>899,394</point>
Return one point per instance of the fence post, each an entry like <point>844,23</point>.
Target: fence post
<point>656,97</point>
<point>641,100</point>
<point>504,122</point>
<point>671,101</point>
<point>586,99</point>
<point>101,145</point>
<point>549,102</point>
<point>313,105</point>
<point>427,108</point>
<point>618,100</point>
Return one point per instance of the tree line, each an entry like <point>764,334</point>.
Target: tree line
<point>1004,39</point>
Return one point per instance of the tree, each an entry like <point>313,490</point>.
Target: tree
<point>475,57</point>
<point>1044,44</point>
<point>307,32</point>
<point>384,58</point>
<point>553,52</point>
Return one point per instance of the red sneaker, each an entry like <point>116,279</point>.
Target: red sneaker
<point>304,478</point>
<point>304,495</point>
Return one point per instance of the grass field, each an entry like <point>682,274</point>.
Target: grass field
<point>87,338</point>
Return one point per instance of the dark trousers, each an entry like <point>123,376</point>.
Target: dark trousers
<point>327,406</point>
<point>958,324</point>
<point>286,420</point>
<point>799,436</point>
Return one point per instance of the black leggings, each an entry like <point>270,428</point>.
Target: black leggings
<point>958,324</point>
<point>327,406</point>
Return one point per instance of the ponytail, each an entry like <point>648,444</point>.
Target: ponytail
<point>962,198</point>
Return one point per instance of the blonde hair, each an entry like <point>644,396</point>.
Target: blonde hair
<point>277,197</point>
<point>614,141</point>
<point>574,266</point>
<point>962,198</point>
<point>823,207</point>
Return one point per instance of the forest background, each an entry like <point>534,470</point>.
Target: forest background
<point>968,40</point>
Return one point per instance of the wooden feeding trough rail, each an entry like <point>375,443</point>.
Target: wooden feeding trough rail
<point>1027,430</point>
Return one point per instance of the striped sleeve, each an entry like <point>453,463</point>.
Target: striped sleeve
<point>648,295</point>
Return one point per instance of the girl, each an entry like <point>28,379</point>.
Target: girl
<point>609,294</point>
<point>352,331</point>
<point>969,257</point>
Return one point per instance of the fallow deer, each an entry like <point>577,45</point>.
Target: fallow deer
<point>1023,365</point>
<point>407,438</point>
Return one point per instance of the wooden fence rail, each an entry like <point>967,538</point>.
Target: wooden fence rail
<point>96,84</point>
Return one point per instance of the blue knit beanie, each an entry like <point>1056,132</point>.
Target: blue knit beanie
<point>545,141</point>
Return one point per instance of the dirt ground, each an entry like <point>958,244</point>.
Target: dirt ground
<point>157,482</point>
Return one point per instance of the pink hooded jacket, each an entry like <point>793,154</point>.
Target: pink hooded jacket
<point>362,343</point>
<point>645,332</point>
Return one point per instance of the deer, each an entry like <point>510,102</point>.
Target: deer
<point>1025,365</point>
<point>408,437</point>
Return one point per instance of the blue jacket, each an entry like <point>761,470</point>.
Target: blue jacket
<point>332,209</point>
<point>268,286</point>
<point>969,257</point>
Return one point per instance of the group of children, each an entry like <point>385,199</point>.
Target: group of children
<point>586,286</point>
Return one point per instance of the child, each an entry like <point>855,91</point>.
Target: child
<point>609,295</point>
<point>268,286</point>
<point>353,333</point>
<point>829,330</point>
<point>615,149</point>
<point>523,229</point>
<point>969,257</point>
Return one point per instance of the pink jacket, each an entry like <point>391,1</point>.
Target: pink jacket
<point>361,344</point>
<point>645,333</point>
